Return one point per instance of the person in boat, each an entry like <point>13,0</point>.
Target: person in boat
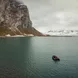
<point>55,58</point>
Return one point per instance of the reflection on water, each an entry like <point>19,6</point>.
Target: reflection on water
<point>31,57</point>
<point>13,53</point>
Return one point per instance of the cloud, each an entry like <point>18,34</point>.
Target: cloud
<point>53,13</point>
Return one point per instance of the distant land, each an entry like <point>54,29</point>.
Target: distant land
<point>63,33</point>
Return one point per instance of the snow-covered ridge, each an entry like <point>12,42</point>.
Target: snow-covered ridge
<point>63,32</point>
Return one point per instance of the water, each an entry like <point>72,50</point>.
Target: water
<point>31,57</point>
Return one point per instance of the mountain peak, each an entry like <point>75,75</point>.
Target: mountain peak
<point>13,13</point>
<point>15,19</point>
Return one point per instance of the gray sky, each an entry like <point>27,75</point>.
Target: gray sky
<point>53,14</point>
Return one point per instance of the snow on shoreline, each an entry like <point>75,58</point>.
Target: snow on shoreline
<point>8,35</point>
<point>63,32</point>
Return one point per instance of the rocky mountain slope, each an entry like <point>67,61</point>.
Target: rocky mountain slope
<point>15,19</point>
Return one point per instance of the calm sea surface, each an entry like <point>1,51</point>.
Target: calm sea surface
<point>31,57</point>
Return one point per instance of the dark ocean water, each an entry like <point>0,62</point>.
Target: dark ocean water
<point>31,57</point>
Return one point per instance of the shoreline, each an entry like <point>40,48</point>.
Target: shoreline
<point>32,36</point>
<point>15,36</point>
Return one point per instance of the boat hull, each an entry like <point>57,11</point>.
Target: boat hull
<point>55,59</point>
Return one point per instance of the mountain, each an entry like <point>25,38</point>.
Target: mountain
<point>12,31</point>
<point>63,32</point>
<point>15,19</point>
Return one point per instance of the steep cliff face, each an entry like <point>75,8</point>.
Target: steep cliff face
<point>15,19</point>
<point>14,14</point>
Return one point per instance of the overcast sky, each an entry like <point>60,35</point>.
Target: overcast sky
<point>53,14</point>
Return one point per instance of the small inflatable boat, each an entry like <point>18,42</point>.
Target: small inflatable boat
<point>55,58</point>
